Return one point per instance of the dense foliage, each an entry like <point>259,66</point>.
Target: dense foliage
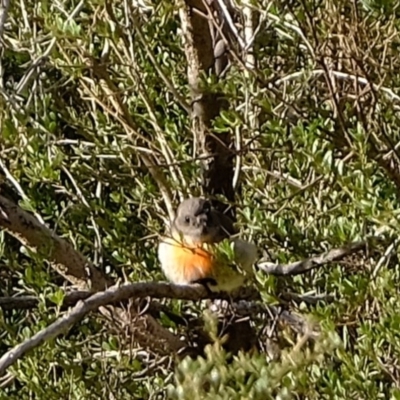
<point>88,88</point>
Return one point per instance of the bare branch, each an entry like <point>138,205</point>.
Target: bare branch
<point>320,260</point>
<point>110,296</point>
<point>29,302</point>
<point>156,290</point>
<point>69,263</point>
<point>70,299</point>
<point>115,295</point>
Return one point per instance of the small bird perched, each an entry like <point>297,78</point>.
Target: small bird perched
<point>191,255</point>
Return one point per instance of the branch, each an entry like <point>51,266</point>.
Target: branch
<point>306,298</point>
<point>159,178</point>
<point>78,270</point>
<point>69,263</point>
<point>4,5</point>
<point>342,75</point>
<point>111,295</point>
<point>198,45</point>
<point>115,295</point>
<point>168,83</point>
<point>156,290</point>
<point>71,298</point>
<point>29,302</point>
<point>297,322</point>
<point>183,293</point>
<point>308,264</point>
<point>123,115</point>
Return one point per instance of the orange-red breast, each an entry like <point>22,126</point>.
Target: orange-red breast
<point>190,255</point>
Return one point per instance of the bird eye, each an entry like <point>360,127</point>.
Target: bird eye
<point>187,219</point>
<point>206,208</point>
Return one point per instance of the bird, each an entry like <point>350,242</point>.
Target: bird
<point>203,247</point>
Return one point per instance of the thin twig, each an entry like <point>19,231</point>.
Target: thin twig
<point>18,188</point>
<point>231,25</point>
<point>388,252</point>
<point>4,6</point>
<point>306,298</point>
<point>181,100</point>
<point>341,75</point>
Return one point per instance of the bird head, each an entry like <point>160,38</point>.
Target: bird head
<point>196,222</point>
